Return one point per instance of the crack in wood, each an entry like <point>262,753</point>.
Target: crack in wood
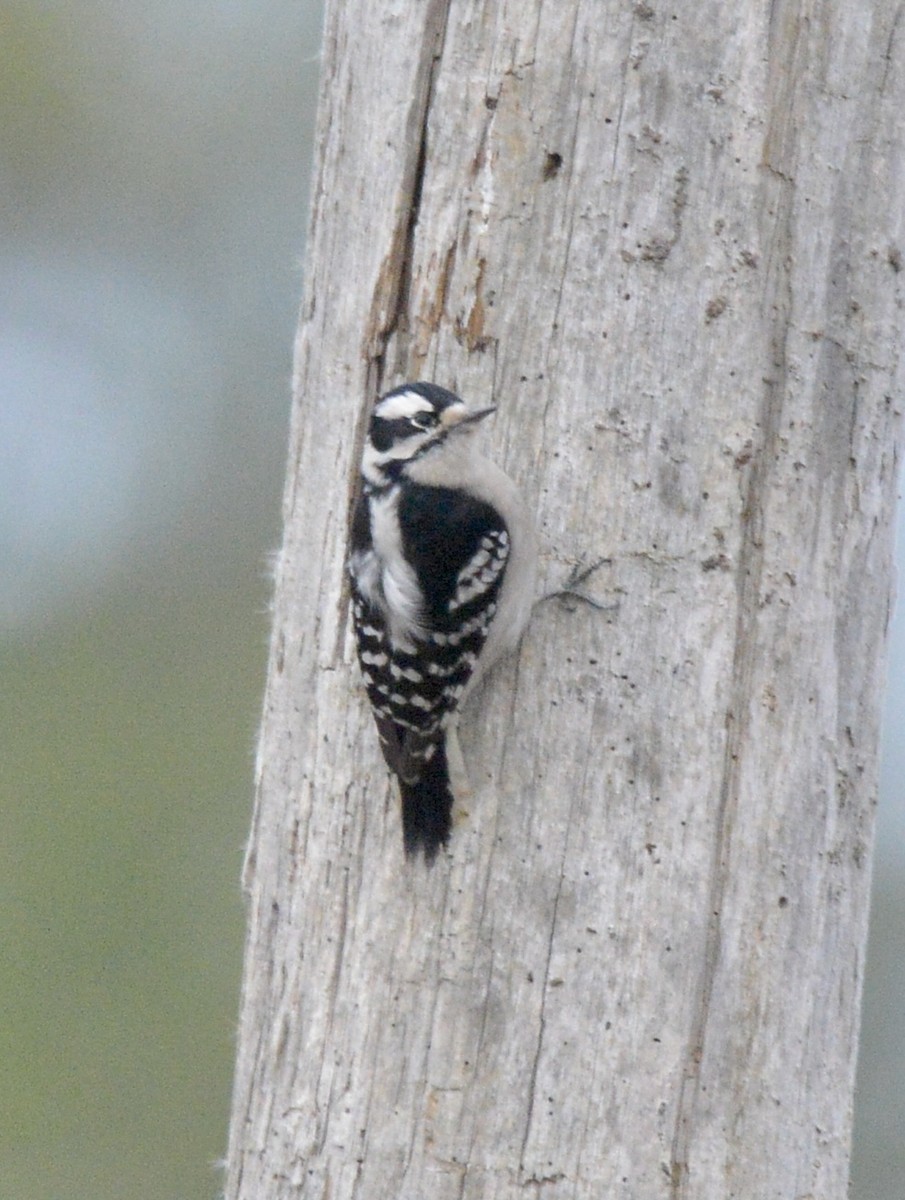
<point>392,292</point>
<point>542,1023</point>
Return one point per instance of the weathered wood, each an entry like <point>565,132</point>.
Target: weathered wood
<point>668,242</point>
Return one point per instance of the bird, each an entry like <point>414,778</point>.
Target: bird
<point>442,562</point>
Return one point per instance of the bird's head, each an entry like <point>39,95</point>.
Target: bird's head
<point>410,422</point>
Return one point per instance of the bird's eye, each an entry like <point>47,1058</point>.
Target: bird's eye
<point>424,420</point>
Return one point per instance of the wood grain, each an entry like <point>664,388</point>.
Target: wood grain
<point>667,242</point>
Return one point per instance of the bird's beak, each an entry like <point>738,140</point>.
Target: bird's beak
<point>461,418</point>
<point>473,418</point>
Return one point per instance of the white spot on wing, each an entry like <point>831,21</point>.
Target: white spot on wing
<point>482,570</point>
<point>374,660</point>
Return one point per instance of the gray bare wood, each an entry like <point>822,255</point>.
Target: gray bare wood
<point>667,241</point>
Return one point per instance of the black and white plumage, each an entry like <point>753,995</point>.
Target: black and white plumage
<point>442,565</point>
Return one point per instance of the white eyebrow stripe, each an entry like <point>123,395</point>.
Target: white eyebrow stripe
<point>406,404</point>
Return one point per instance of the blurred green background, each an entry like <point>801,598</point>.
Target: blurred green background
<point>153,174</point>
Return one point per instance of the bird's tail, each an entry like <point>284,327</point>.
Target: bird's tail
<point>427,805</point>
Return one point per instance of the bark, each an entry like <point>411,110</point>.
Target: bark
<point>668,242</point>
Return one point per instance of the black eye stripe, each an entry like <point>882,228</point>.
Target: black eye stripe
<point>385,432</point>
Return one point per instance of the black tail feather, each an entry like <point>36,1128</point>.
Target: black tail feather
<point>427,807</point>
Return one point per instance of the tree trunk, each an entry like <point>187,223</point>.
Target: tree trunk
<point>668,242</point>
